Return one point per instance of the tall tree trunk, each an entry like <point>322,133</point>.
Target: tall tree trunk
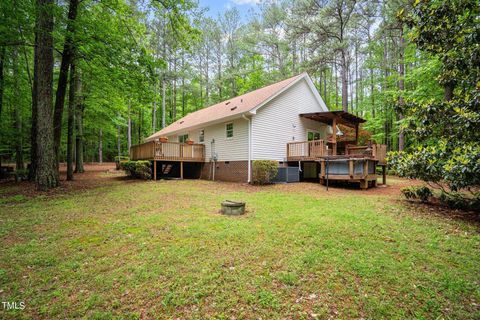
<point>336,85</point>
<point>344,72</point>
<point>17,112</point>
<point>401,87</point>
<point>2,82</point>
<point>46,174</point>
<point>183,83</point>
<point>325,85</point>
<point>207,79</point>
<point>119,142</point>
<point>71,121</point>
<point>448,87</point>
<point>356,79</point>
<point>100,146</point>
<point>154,112</point>
<point>129,127</point>
<point>67,56</point>
<point>163,102</point>
<point>33,130</point>
<point>139,126</point>
<point>174,87</point>
<point>79,106</point>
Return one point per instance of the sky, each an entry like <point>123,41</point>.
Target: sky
<point>219,6</point>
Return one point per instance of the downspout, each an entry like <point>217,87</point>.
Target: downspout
<point>249,147</point>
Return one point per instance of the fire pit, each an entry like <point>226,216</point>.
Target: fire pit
<point>233,208</point>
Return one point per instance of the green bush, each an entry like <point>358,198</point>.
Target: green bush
<point>458,200</point>
<point>264,171</point>
<point>21,175</point>
<point>143,170</point>
<point>138,169</point>
<point>119,160</point>
<point>413,192</point>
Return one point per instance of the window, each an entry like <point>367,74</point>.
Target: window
<point>313,135</point>
<point>183,138</point>
<point>201,136</point>
<point>229,130</point>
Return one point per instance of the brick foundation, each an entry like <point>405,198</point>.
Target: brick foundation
<point>235,171</point>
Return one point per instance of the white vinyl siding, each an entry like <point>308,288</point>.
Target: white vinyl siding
<point>227,149</point>
<point>278,122</point>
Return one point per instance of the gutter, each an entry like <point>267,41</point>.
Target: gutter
<point>249,146</point>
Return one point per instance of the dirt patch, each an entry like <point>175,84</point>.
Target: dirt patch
<point>95,175</point>
<point>439,210</point>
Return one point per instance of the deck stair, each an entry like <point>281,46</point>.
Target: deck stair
<point>166,168</point>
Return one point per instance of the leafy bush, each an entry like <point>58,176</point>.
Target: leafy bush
<point>264,171</point>
<point>119,160</point>
<point>21,175</point>
<point>138,169</point>
<point>143,170</point>
<point>458,200</point>
<point>422,193</point>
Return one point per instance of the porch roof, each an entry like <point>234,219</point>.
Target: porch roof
<point>341,117</point>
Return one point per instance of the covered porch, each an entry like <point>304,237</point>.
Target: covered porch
<point>342,158</point>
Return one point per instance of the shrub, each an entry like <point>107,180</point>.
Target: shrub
<point>422,193</point>
<point>143,170</point>
<point>21,175</point>
<point>458,200</point>
<point>137,169</point>
<point>264,171</point>
<point>119,160</point>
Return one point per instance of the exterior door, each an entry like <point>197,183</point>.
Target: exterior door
<point>313,147</point>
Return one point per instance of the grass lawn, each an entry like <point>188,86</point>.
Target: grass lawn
<point>160,250</point>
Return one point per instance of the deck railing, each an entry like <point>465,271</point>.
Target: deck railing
<point>306,150</point>
<point>376,151</point>
<point>170,151</point>
<point>312,150</point>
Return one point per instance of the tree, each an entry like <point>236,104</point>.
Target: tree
<point>46,175</point>
<point>447,146</point>
<point>71,119</point>
<point>328,23</point>
<point>67,56</point>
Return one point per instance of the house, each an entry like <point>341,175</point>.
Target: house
<point>286,121</point>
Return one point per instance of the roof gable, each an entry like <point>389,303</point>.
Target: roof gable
<point>234,107</point>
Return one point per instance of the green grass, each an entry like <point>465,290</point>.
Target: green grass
<point>161,250</point>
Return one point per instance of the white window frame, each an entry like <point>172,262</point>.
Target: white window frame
<point>226,131</point>
<point>201,135</point>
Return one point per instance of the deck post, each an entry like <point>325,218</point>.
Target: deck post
<point>350,167</point>
<point>356,134</point>
<point>334,137</point>
<point>154,170</point>
<point>181,170</point>
<point>384,175</point>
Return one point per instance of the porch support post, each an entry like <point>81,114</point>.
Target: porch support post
<point>334,136</point>
<point>384,175</point>
<point>181,170</point>
<point>155,170</point>
<point>356,134</point>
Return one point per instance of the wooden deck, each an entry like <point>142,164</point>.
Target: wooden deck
<point>355,164</point>
<point>168,151</point>
<point>317,149</point>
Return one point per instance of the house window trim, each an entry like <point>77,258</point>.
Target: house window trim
<point>226,131</point>
<point>202,139</point>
